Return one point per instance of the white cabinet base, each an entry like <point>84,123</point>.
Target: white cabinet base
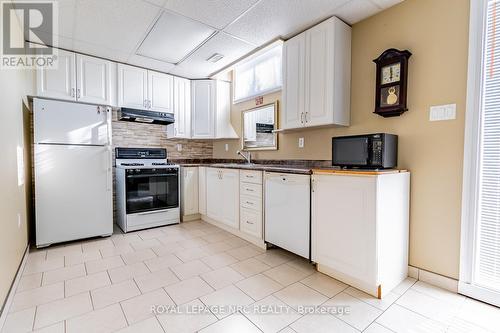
<point>254,240</point>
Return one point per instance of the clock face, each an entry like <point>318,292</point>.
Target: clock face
<point>391,73</point>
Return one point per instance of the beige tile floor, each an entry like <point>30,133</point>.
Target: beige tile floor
<point>217,283</point>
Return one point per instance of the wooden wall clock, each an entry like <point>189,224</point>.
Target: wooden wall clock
<point>392,82</point>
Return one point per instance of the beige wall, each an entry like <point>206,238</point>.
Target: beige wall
<point>13,198</point>
<point>436,32</point>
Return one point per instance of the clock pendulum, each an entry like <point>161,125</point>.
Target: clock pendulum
<point>392,98</point>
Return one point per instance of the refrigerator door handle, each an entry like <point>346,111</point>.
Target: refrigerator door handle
<point>109,176</point>
<point>109,115</point>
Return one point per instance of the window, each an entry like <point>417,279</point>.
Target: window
<point>480,246</point>
<point>259,75</point>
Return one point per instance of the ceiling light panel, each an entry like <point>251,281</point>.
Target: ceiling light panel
<point>173,37</point>
<point>196,65</point>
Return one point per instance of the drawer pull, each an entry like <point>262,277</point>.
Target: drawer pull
<point>249,203</point>
<point>248,222</point>
<point>249,190</point>
<point>249,176</point>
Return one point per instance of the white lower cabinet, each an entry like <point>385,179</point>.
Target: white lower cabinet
<point>360,229</point>
<point>202,190</point>
<point>251,215</point>
<point>223,193</point>
<point>189,191</point>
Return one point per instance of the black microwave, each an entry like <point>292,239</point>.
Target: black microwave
<point>371,151</point>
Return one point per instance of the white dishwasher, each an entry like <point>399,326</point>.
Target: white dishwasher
<point>287,212</point>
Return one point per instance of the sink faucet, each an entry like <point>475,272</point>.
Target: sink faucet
<point>247,157</point>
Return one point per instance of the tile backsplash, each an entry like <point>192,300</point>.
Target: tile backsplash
<point>130,134</point>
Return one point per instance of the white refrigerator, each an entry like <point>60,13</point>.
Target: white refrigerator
<point>73,171</point>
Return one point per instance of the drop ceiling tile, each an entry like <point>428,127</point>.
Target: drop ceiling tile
<point>159,3</point>
<point>115,24</point>
<point>57,41</point>
<point>216,13</point>
<point>141,61</point>
<point>100,51</point>
<point>386,3</point>
<point>173,37</point>
<point>357,10</point>
<point>197,66</point>
<point>271,19</point>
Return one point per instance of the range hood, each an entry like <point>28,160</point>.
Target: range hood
<point>146,116</point>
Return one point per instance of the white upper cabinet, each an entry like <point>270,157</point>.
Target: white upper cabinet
<point>142,89</point>
<point>294,54</point>
<point>203,107</point>
<point>160,92</point>
<point>317,74</point>
<point>94,80</point>
<point>58,83</point>
<point>132,87</point>
<point>79,78</point>
<point>182,109</point>
<point>211,110</point>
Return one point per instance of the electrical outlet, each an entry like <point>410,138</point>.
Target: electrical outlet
<point>226,147</point>
<point>301,142</point>
<point>443,112</point>
<point>179,147</point>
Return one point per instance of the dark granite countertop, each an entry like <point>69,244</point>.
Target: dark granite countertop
<point>285,166</point>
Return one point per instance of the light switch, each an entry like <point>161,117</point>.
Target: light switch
<point>226,147</point>
<point>301,142</point>
<point>179,147</point>
<point>443,112</point>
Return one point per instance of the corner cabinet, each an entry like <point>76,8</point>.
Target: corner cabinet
<point>78,78</point>
<point>211,110</point>
<point>223,196</point>
<point>317,76</point>
<point>182,110</point>
<point>144,89</point>
<point>359,229</point>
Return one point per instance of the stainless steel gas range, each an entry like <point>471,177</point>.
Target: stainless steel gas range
<point>147,189</point>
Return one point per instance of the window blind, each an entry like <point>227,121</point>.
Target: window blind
<point>259,75</point>
<point>487,255</point>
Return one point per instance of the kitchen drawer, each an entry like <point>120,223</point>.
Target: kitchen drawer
<point>249,176</point>
<point>254,190</point>
<point>251,202</point>
<point>251,222</point>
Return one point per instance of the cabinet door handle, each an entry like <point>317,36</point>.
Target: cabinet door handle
<point>145,103</point>
<point>78,93</point>
<point>302,117</point>
<point>72,92</point>
<point>306,117</point>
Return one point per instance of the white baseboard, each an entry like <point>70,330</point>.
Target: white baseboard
<point>437,280</point>
<point>13,288</point>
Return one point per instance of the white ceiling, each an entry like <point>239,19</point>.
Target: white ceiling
<point>116,29</point>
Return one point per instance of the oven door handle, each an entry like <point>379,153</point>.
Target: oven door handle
<point>149,213</point>
<point>152,175</point>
